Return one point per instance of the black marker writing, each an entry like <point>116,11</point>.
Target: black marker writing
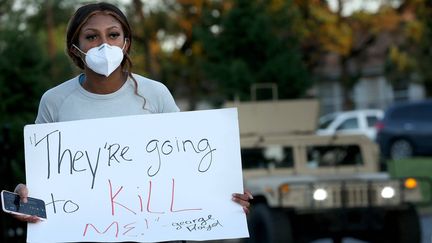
<point>80,161</point>
<point>166,148</point>
<point>71,161</point>
<point>203,223</point>
<point>68,205</point>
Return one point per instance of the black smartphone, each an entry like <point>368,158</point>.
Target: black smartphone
<point>11,203</point>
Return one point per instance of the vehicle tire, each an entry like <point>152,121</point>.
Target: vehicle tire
<point>401,149</point>
<point>402,226</point>
<point>269,225</point>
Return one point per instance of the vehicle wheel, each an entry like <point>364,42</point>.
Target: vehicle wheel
<point>403,226</point>
<point>401,149</point>
<point>269,225</point>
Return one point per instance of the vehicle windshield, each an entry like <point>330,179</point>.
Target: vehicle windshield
<point>326,120</point>
<point>333,155</point>
<point>270,156</point>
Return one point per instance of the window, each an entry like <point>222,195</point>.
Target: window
<point>400,113</point>
<point>371,120</point>
<point>421,113</point>
<point>325,121</point>
<point>350,123</point>
<point>321,156</point>
<point>417,112</point>
<point>274,155</point>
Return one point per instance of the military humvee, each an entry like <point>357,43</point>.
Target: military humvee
<point>308,187</point>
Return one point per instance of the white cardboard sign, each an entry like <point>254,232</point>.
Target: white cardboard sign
<point>140,178</point>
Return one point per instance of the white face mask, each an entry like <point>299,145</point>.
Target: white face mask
<point>103,59</point>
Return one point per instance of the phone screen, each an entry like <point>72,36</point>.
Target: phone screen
<point>12,204</point>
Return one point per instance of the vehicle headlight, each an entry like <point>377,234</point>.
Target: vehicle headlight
<point>388,192</point>
<point>320,194</point>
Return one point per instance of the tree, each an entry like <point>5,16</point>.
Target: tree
<point>49,25</point>
<point>164,25</point>
<point>146,24</point>
<point>423,54</point>
<point>186,62</point>
<point>179,53</point>
<point>22,81</point>
<point>255,44</point>
<point>347,37</point>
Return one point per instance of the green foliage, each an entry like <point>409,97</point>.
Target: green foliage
<point>423,53</point>
<point>22,79</point>
<point>53,45</point>
<point>61,11</point>
<point>255,45</point>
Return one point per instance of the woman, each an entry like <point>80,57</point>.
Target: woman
<point>98,41</point>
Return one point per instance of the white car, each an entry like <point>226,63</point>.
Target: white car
<point>350,122</point>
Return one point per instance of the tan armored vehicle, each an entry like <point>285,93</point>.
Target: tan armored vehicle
<point>307,187</point>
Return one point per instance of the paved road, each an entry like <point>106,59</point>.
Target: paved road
<point>427,228</point>
<point>426,231</point>
<point>426,222</point>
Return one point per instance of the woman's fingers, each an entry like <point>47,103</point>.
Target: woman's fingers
<point>243,200</point>
<point>249,194</point>
<point>27,218</point>
<point>22,191</point>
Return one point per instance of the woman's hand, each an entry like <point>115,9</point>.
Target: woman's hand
<point>243,200</point>
<point>22,191</point>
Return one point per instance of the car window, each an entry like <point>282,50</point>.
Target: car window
<point>371,120</point>
<point>325,121</point>
<point>323,155</point>
<point>350,123</point>
<point>273,155</point>
<point>422,113</point>
<point>400,113</point>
